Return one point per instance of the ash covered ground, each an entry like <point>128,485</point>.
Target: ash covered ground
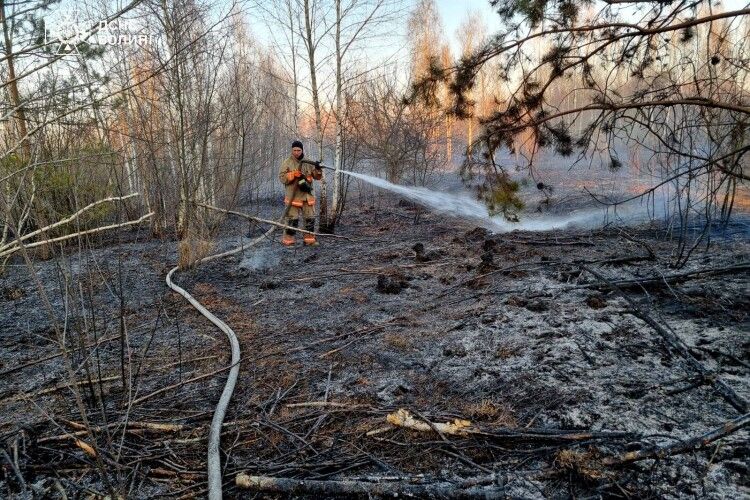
<point>409,310</point>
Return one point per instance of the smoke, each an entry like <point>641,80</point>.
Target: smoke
<point>466,207</point>
<point>262,259</point>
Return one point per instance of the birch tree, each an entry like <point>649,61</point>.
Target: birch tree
<point>471,34</point>
<point>356,21</point>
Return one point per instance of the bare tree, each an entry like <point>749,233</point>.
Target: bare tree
<point>472,34</point>
<point>9,27</point>
<point>634,91</point>
<point>391,132</point>
<point>355,22</point>
<point>282,19</point>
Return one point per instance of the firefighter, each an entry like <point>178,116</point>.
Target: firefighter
<point>298,177</point>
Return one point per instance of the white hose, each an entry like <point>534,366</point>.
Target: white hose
<point>214,435</point>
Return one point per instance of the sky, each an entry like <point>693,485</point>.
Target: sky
<point>392,47</point>
<point>454,12</point>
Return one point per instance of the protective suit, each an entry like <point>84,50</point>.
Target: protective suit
<point>299,195</point>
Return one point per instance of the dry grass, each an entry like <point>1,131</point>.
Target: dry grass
<point>583,465</point>
<point>191,250</point>
<point>204,289</point>
<point>242,323</point>
<point>398,341</point>
<point>355,294</point>
<point>506,350</point>
<point>489,411</point>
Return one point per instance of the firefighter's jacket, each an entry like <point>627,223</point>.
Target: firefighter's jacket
<point>290,173</point>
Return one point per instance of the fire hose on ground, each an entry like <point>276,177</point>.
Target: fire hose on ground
<point>214,435</point>
<point>213,458</point>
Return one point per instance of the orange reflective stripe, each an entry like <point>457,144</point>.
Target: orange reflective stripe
<point>295,203</point>
<point>287,240</point>
<point>311,201</point>
<point>309,238</point>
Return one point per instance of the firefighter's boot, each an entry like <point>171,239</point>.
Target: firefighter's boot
<point>288,239</point>
<point>310,238</point>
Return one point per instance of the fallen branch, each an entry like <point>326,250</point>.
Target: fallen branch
<point>16,248</point>
<point>66,220</point>
<point>16,471</point>
<point>402,418</point>
<point>360,337</point>
<point>184,382</point>
<point>290,487</point>
<point>162,472</point>
<point>271,222</point>
<point>83,383</point>
<point>618,261</point>
<point>459,427</point>
<point>456,425</point>
<point>678,345</point>
<point>718,353</point>
<point>665,280</point>
<point>687,445</point>
<point>322,404</point>
<point>131,426</point>
<point>476,279</point>
<point>53,356</point>
<point>59,387</point>
<point>87,448</point>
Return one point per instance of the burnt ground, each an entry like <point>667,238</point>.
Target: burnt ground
<point>432,315</point>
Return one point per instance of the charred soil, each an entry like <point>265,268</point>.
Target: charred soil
<point>530,337</point>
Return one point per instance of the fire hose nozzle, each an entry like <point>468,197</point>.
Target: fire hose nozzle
<point>316,164</point>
